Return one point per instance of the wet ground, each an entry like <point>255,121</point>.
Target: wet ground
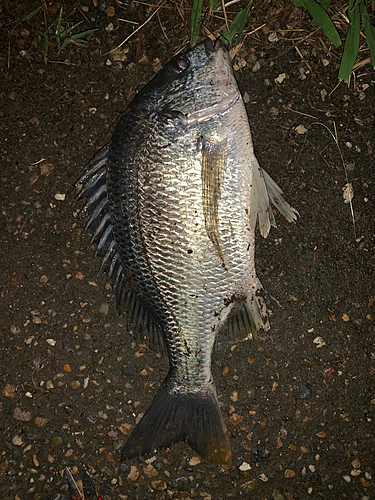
<point>299,402</point>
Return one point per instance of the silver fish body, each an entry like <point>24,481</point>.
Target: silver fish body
<point>173,202</point>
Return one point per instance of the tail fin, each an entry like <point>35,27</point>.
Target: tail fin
<point>194,417</point>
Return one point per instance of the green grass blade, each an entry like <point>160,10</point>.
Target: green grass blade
<point>320,17</point>
<point>69,30</point>
<point>32,14</point>
<point>237,25</point>
<point>46,47</point>
<point>57,32</point>
<point>195,21</point>
<point>351,43</point>
<point>84,33</point>
<point>369,30</point>
<point>63,45</point>
<point>214,4</point>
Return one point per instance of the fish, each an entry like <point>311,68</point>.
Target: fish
<point>173,202</point>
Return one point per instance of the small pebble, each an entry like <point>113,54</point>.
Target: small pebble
<point>306,392</point>
<point>159,485</point>
<point>194,461</point>
<point>244,466</point>
<point>274,111</point>
<point>256,67</point>
<point>289,473</point>
<point>113,435</point>
<point>17,440</point>
<point>103,309</point>
<point>56,441</point>
<point>260,453</point>
<point>133,474</point>
<point>22,416</point>
<point>347,479</point>
<point>150,471</point>
<point>41,422</point>
<point>301,130</point>
<point>280,78</point>
<point>235,419</point>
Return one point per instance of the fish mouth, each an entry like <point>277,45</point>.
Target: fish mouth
<point>212,48</point>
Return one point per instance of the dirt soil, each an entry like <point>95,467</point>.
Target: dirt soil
<point>299,402</point>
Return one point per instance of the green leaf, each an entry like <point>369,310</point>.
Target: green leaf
<point>325,4</point>
<point>195,21</point>
<point>32,14</point>
<point>369,30</point>
<point>237,25</point>
<point>320,17</point>
<point>351,43</point>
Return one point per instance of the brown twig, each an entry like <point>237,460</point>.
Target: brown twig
<point>299,112</point>
<point>135,31</point>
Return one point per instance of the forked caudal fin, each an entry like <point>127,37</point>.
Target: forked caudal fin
<point>194,417</point>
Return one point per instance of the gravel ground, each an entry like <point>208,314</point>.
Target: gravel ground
<point>299,402</point>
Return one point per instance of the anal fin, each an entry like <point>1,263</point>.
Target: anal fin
<point>241,319</point>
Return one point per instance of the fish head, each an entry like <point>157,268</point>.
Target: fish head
<point>194,86</point>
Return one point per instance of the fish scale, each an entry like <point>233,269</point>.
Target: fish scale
<point>173,201</point>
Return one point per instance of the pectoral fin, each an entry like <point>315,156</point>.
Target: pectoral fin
<point>214,157</point>
<point>265,190</point>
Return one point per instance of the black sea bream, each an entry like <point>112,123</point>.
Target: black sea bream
<point>173,203</point>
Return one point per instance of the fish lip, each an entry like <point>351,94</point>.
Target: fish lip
<point>212,48</point>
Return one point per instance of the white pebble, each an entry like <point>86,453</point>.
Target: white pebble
<point>244,466</point>
<point>280,78</point>
<point>346,478</point>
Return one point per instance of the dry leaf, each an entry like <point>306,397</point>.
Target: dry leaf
<point>348,192</point>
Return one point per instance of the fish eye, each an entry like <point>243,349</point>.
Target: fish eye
<point>179,64</point>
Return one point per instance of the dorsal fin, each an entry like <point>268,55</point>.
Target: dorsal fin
<point>94,190</point>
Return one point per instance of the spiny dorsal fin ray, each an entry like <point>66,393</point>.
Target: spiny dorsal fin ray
<point>94,189</point>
